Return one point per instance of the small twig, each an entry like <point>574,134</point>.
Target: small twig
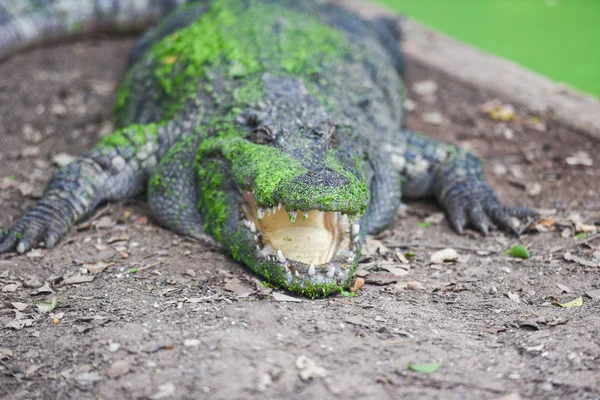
<point>438,246</point>
<point>143,268</point>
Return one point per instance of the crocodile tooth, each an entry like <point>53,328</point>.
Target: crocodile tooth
<point>331,272</point>
<point>273,210</point>
<point>257,247</point>
<point>268,210</point>
<point>281,257</point>
<point>260,213</point>
<point>256,238</point>
<point>356,239</point>
<point>311,270</point>
<point>304,214</point>
<point>350,260</point>
<point>355,229</point>
<point>296,273</point>
<point>292,216</point>
<point>279,206</point>
<point>252,227</point>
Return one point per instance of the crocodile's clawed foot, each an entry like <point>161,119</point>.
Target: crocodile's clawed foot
<point>48,221</point>
<point>476,205</point>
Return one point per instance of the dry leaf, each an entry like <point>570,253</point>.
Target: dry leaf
<point>78,278</point>
<point>18,324</point>
<point>398,271</point>
<point>402,258</point>
<point>373,247</point>
<point>5,353</point>
<point>581,227</point>
<point>19,306</point>
<point>46,289</point>
<point>586,263</point>
<point>10,288</point>
<point>97,267</point>
<point>549,222</point>
<point>104,222</point>
<point>504,113</point>
<point>32,369</point>
<point>357,284</point>
<point>578,302</point>
<point>381,278</point>
<point>235,286</point>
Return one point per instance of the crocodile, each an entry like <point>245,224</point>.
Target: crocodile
<point>273,129</point>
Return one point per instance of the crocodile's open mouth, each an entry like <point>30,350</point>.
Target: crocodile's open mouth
<point>309,243</point>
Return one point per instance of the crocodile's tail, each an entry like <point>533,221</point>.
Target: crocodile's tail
<point>24,23</point>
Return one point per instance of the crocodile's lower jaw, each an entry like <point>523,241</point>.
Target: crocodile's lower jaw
<point>310,243</point>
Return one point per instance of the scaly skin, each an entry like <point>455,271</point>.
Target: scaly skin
<point>291,104</point>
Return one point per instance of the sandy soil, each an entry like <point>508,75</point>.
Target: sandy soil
<point>192,323</point>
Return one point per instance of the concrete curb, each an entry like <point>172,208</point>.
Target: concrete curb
<point>507,80</point>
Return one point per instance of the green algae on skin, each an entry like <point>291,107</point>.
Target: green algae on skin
<point>133,135</point>
<point>271,175</point>
<point>246,46</point>
<point>264,169</point>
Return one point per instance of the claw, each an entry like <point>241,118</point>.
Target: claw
<point>457,217</point>
<point>484,211</point>
<point>478,219</point>
<point>51,239</point>
<point>505,222</point>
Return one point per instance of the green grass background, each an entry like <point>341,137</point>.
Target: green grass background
<point>556,38</point>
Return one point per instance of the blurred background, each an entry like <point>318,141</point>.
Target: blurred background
<point>556,38</point>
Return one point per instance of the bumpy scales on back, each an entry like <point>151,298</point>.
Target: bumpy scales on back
<point>272,127</point>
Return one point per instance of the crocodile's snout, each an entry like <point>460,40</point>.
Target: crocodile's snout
<point>323,177</point>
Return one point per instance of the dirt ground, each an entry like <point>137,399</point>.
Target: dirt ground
<point>165,317</point>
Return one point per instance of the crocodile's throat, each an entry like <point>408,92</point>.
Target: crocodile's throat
<point>310,237</point>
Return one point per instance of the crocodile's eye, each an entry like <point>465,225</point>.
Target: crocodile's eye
<point>264,134</point>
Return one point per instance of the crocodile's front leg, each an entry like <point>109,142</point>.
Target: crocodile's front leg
<point>455,177</point>
<point>173,191</point>
<point>117,168</point>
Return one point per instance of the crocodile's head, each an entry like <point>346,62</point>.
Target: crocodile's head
<point>290,201</point>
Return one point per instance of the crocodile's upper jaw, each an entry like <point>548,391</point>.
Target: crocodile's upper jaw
<point>313,245</point>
